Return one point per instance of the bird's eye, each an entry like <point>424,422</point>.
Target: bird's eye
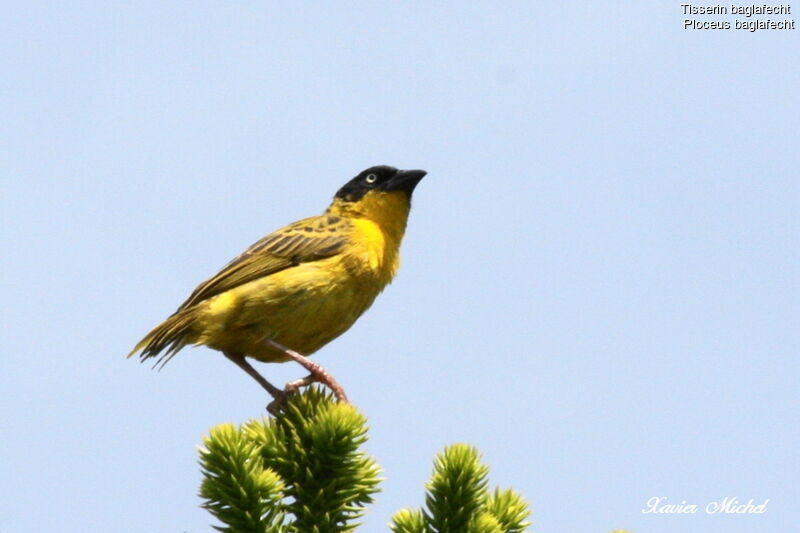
<point>371,178</point>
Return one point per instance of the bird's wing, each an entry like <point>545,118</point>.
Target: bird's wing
<point>307,240</point>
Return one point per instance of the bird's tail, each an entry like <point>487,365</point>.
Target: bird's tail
<point>171,335</point>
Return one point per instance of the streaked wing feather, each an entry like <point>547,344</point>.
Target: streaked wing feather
<point>285,248</point>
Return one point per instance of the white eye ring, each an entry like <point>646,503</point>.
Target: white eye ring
<point>371,178</point>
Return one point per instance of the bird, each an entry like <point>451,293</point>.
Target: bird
<point>299,287</point>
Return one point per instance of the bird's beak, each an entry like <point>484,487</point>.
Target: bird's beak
<point>404,180</point>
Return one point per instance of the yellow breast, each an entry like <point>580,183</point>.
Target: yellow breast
<point>377,253</point>
<point>306,306</point>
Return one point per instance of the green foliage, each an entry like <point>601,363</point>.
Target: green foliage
<point>302,472</point>
<point>313,447</point>
<point>408,521</point>
<point>509,509</point>
<point>457,489</point>
<point>457,500</point>
<point>238,489</point>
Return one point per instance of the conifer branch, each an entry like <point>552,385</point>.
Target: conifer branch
<point>300,472</point>
<point>314,446</point>
<point>238,490</point>
<point>304,472</point>
<point>457,500</point>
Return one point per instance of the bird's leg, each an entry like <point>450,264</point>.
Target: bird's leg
<point>292,386</point>
<point>318,374</point>
<point>240,361</point>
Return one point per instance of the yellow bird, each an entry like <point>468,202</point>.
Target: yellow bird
<point>299,287</point>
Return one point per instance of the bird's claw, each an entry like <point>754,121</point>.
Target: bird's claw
<point>292,387</point>
<point>277,404</point>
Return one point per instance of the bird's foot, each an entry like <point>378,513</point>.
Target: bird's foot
<point>294,386</point>
<point>276,405</point>
<point>290,388</point>
<point>317,374</point>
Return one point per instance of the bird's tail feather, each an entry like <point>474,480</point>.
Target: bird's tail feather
<point>171,335</point>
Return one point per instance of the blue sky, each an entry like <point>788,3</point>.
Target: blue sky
<point>599,285</point>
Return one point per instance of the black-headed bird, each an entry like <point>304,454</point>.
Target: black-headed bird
<point>299,287</point>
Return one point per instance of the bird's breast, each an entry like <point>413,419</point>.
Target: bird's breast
<point>306,306</point>
<point>375,252</point>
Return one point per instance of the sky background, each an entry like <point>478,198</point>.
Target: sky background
<point>599,285</point>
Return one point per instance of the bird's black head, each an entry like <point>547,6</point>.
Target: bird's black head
<point>381,178</point>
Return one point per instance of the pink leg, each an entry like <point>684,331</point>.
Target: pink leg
<point>242,363</point>
<point>318,374</point>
